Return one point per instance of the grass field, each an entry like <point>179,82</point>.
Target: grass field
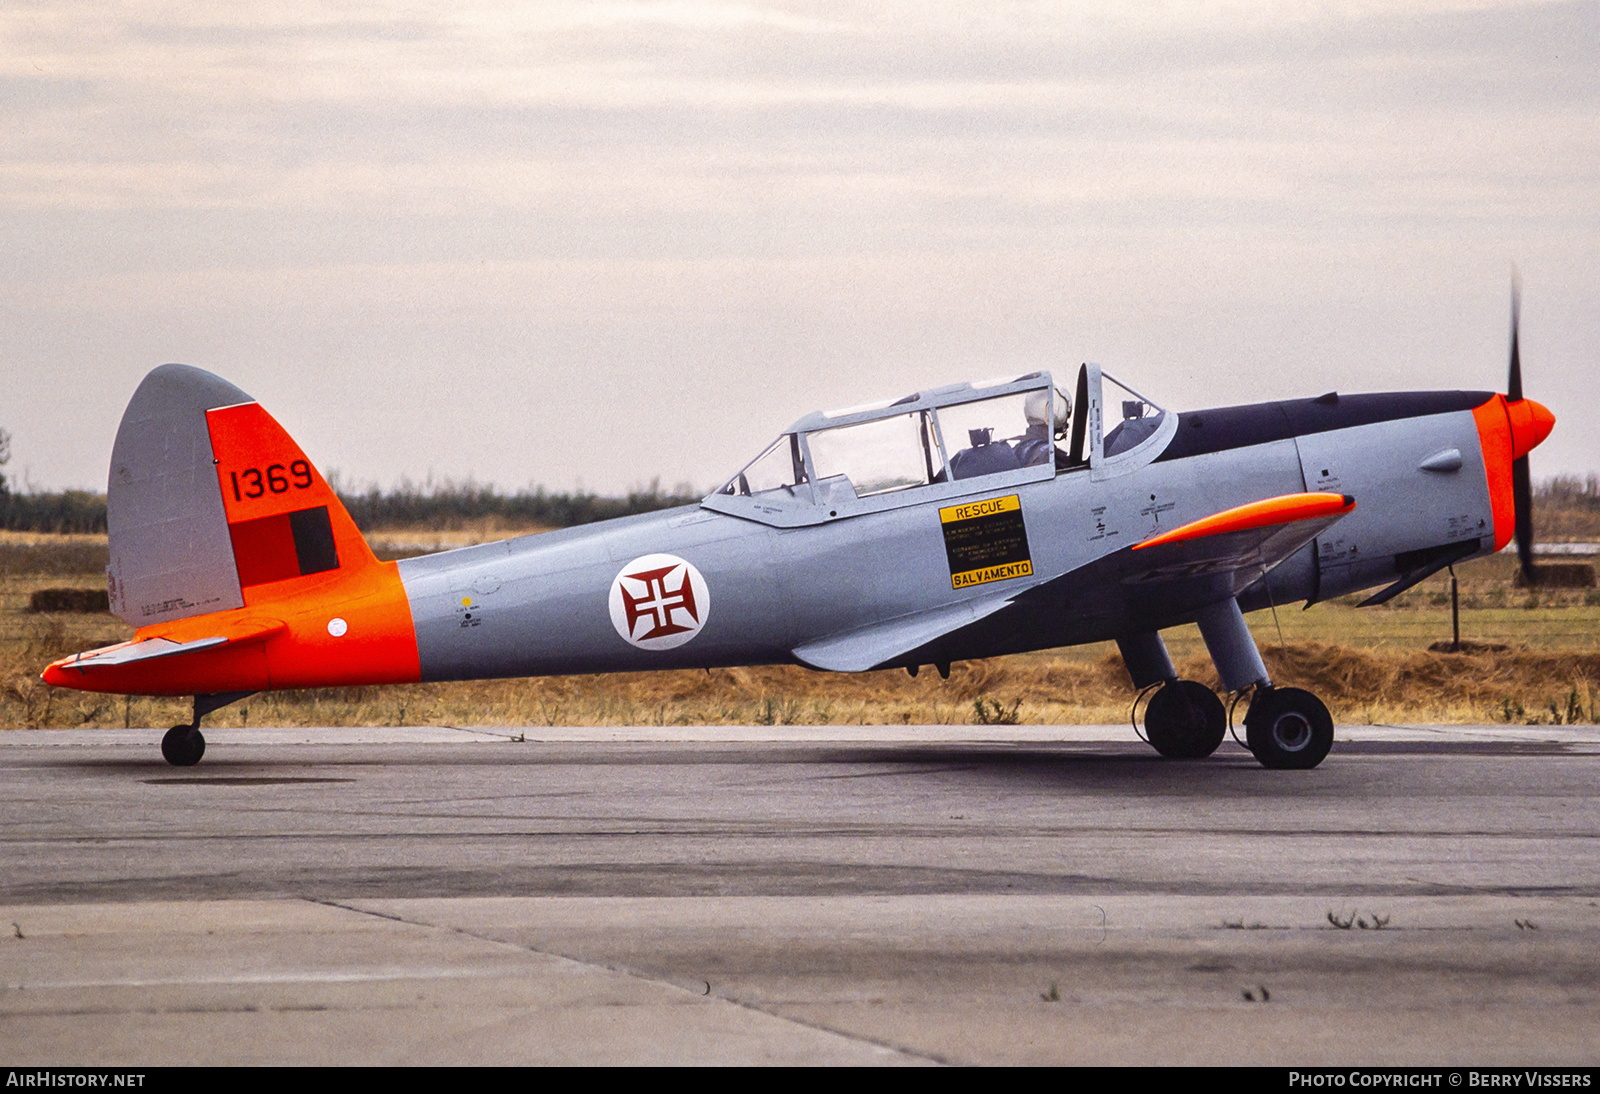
<point>1369,665</point>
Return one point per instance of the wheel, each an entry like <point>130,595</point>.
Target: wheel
<point>1288,729</point>
<point>183,746</point>
<point>1185,720</point>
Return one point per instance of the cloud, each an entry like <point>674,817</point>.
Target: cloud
<point>854,197</point>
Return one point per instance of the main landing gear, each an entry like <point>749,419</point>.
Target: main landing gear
<point>1185,720</point>
<point>1285,728</point>
<point>183,745</point>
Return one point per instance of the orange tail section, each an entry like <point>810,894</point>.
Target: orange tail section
<point>318,609</point>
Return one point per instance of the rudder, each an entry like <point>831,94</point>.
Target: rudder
<point>168,532</point>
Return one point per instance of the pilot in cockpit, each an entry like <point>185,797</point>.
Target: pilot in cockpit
<point>988,454</point>
<point>1035,447</point>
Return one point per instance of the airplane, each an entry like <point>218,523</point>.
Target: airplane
<point>964,521</point>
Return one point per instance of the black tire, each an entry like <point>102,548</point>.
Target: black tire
<point>1288,729</point>
<point>183,746</point>
<point>1185,720</point>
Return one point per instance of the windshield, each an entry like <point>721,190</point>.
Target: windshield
<point>1138,418</point>
<point>778,468</point>
<point>877,457</point>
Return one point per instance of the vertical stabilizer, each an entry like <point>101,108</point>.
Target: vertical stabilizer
<point>212,506</point>
<point>171,556</point>
<point>288,531</point>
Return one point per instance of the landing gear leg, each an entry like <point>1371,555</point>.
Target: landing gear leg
<point>1185,720</point>
<point>1288,728</point>
<point>185,744</point>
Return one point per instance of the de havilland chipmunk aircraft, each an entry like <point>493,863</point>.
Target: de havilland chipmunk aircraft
<point>960,522</point>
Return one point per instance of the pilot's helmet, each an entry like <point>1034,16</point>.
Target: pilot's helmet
<point>1034,407</point>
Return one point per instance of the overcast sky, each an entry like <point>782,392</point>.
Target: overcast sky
<point>597,243</point>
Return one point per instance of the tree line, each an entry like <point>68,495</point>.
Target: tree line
<point>1570,490</point>
<point>454,505</point>
<point>435,509</point>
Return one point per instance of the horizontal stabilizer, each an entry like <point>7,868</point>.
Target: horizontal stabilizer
<point>881,643</point>
<point>128,652</point>
<point>147,649</point>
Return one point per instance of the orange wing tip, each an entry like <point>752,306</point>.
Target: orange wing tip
<point>1288,509</point>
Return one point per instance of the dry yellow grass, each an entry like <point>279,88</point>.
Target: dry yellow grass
<point>1370,665</point>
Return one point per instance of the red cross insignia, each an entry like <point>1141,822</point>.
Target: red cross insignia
<point>658,602</point>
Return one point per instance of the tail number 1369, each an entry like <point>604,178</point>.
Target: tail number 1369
<point>254,482</point>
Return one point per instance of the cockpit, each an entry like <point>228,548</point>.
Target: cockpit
<point>1005,431</point>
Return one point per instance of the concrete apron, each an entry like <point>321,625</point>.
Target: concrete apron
<point>295,982</point>
<point>1221,979</point>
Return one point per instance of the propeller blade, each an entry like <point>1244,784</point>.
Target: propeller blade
<point>1521,478</point>
<point>1522,493</point>
<point>1514,380</point>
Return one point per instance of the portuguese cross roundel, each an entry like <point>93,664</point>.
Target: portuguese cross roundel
<point>659,602</point>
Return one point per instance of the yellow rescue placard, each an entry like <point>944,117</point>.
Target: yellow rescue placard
<point>986,541</point>
<point>1008,504</point>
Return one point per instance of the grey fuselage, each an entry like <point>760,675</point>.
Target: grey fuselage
<point>539,605</point>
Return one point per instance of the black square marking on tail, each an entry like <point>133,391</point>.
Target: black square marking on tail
<point>313,540</point>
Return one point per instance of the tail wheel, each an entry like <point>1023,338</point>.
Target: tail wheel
<point>1288,728</point>
<point>1185,720</point>
<point>183,746</point>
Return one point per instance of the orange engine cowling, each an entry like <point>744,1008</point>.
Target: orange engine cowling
<point>1508,429</point>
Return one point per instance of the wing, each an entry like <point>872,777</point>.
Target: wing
<point>1243,542</point>
<point>881,643</point>
<point>1154,583</point>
